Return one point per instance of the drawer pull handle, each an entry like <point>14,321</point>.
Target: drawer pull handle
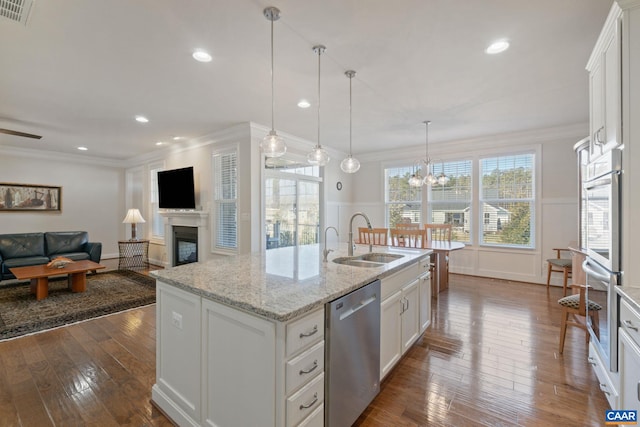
<point>638,391</point>
<point>308,334</point>
<point>592,361</point>
<point>629,325</point>
<point>310,404</point>
<point>311,369</point>
<point>603,387</point>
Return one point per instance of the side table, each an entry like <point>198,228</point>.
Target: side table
<point>134,254</point>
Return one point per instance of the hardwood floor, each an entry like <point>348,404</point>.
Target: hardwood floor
<point>489,358</point>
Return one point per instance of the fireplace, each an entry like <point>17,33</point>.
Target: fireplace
<point>185,245</point>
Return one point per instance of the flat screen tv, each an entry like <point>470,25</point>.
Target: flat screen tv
<point>176,189</point>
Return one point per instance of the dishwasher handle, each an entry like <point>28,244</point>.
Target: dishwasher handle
<point>362,304</point>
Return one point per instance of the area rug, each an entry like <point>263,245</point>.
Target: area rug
<point>107,292</point>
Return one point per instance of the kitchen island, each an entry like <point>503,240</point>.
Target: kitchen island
<point>240,340</point>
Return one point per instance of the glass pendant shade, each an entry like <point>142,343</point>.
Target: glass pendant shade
<point>273,145</point>
<point>415,180</point>
<point>442,179</point>
<point>318,156</point>
<point>429,179</point>
<point>350,165</point>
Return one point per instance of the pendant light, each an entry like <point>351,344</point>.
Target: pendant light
<point>349,164</point>
<point>318,156</point>
<point>429,179</point>
<point>272,145</point>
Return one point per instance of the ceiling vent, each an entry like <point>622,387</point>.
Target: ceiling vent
<point>16,10</point>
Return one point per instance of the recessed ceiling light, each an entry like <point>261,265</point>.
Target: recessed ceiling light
<point>497,47</point>
<point>201,55</point>
<point>82,148</point>
<point>159,143</point>
<point>177,138</point>
<point>304,103</point>
<point>142,119</point>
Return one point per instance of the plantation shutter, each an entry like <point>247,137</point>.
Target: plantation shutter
<point>225,199</point>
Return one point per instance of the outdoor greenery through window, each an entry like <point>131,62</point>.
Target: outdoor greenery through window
<point>403,202</point>
<point>225,198</point>
<point>451,203</point>
<point>507,200</point>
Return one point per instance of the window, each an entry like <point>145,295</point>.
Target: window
<point>225,199</point>
<point>157,223</point>
<point>403,203</point>
<point>507,200</point>
<point>451,203</point>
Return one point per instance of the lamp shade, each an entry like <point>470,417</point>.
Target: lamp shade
<point>133,217</point>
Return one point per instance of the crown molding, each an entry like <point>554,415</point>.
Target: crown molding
<point>511,140</point>
<point>61,157</point>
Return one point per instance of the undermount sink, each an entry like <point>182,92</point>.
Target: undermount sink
<point>370,260</point>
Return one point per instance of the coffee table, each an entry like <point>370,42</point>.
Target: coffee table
<point>39,275</point>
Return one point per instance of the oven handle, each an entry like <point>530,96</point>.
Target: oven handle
<point>594,271</point>
<point>602,180</point>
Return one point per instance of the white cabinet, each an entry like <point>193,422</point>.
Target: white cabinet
<point>410,315</point>
<point>629,354</point>
<point>405,312</point>
<point>217,365</point>
<point>605,380</point>
<point>604,68</point>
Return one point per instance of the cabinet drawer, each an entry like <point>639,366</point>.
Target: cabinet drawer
<point>393,283</point>
<point>630,321</point>
<point>604,380</point>
<point>424,264</point>
<point>304,367</point>
<point>304,332</point>
<point>305,401</point>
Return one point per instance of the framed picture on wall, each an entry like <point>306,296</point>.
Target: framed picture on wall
<point>28,197</point>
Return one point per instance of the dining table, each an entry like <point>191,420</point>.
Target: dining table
<point>441,249</point>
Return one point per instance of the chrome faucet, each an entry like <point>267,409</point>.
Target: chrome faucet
<point>326,251</point>
<point>351,244</point>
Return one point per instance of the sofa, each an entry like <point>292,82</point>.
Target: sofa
<point>23,249</point>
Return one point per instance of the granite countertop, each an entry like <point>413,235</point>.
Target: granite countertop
<point>631,294</point>
<point>284,283</point>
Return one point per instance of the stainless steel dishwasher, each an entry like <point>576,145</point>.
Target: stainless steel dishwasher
<point>352,354</point>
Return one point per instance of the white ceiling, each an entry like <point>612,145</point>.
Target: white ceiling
<point>80,70</point>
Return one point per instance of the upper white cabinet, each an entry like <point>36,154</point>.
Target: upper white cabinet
<point>604,69</point>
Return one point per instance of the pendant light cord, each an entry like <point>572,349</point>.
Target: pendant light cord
<point>350,118</point>
<point>273,102</point>
<point>319,53</point>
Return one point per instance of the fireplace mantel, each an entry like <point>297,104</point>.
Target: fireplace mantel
<point>199,219</point>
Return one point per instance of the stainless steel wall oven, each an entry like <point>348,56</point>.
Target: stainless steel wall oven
<point>601,239</point>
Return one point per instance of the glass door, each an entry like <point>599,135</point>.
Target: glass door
<point>292,211</point>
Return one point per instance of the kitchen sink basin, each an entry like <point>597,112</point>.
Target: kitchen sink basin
<point>357,262</point>
<point>370,260</point>
<point>379,257</point>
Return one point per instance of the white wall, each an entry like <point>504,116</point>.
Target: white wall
<point>92,195</point>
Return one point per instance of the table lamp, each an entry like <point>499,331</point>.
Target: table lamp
<point>133,217</point>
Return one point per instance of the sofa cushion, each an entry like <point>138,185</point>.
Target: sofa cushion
<point>23,262</point>
<point>65,242</point>
<point>22,245</point>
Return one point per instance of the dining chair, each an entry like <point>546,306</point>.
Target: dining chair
<point>574,308</point>
<point>408,225</point>
<point>439,232</point>
<point>374,236</point>
<point>560,265</point>
<point>407,238</point>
